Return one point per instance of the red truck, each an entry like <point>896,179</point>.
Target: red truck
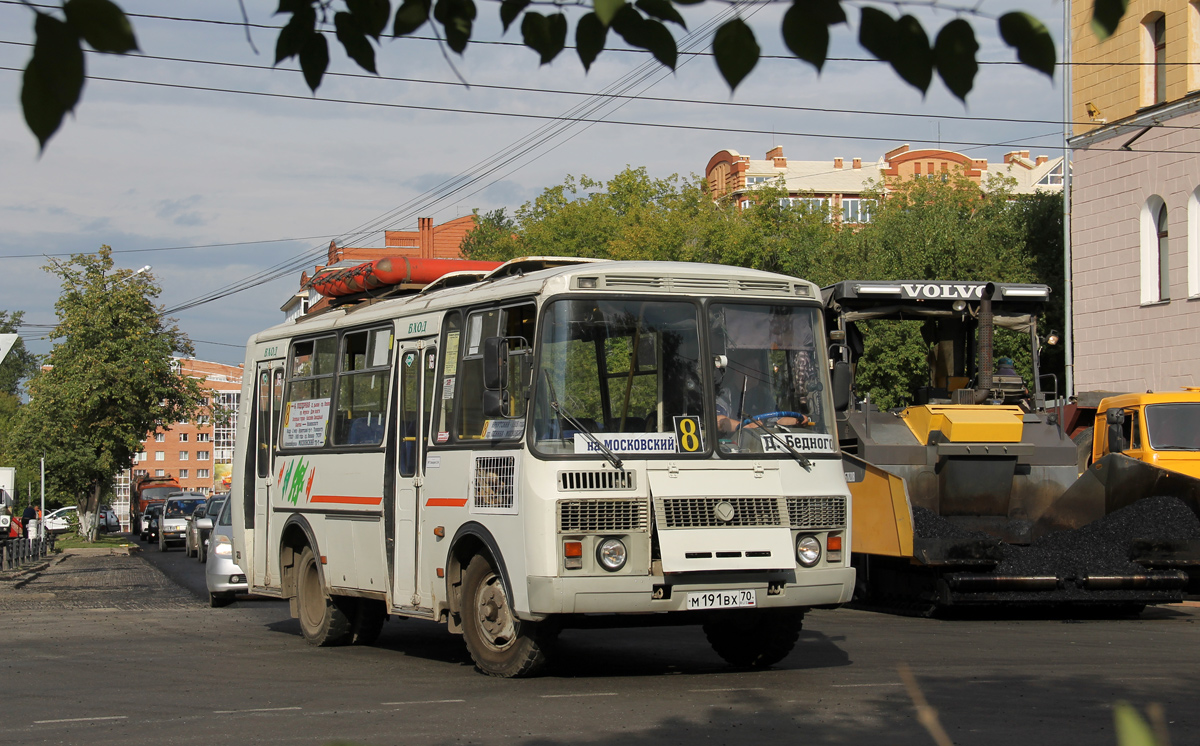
<point>144,491</point>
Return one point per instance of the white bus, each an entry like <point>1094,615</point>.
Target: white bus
<point>557,443</point>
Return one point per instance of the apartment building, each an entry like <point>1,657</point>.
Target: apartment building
<point>842,185</point>
<point>1136,198</point>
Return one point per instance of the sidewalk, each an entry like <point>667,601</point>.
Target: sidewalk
<point>92,579</point>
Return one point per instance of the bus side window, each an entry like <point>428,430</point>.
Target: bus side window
<point>468,420</point>
<point>363,377</point>
<point>310,381</point>
<point>409,397</point>
<point>447,382</point>
<point>264,422</point>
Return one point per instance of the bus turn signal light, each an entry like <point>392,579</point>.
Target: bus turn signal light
<point>573,555</point>
<point>834,544</point>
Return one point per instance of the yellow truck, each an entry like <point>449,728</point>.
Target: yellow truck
<point>972,493</point>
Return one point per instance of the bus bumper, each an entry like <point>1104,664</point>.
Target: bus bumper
<point>646,594</point>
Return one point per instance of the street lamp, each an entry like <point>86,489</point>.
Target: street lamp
<point>143,270</point>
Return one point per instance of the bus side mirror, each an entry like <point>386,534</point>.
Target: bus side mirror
<point>495,363</point>
<point>842,382</point>
<point>496,403</point>
<point>1116,438</point>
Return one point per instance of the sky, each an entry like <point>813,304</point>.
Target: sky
<point>219,190</point>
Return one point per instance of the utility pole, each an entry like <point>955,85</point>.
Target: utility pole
<point>1068,310</point>
<point>42,520</point>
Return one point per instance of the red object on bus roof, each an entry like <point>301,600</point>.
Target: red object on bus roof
<point>389,271</point>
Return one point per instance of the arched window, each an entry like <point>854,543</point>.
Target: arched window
<point>1193,243</point>
<point>1155,275</point>
<point>1164,260</point>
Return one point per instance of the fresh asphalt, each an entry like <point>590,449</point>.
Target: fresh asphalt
<point>112,651</point>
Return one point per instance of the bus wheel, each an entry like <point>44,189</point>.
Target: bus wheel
<point>500,643</point>
<point>369,617</point>
<point>754,640</point>
<point>322,621</point>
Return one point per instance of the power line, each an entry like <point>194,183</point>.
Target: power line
<point>653,99</point>
<point>503,43</point>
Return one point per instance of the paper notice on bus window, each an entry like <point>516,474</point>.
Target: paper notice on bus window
<point>627,443</point>
<point>304,423</point>
<point>448,388</point>
<point>801,442</point>
<point>498,429</point>
<point>476,331</point>
<point>451,366</point>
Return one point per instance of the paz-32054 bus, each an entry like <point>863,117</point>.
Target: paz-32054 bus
<point>554,443</point>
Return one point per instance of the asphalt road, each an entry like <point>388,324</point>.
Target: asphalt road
<point>119,654</point>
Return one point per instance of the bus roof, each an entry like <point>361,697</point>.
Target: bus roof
<point>552,275</point>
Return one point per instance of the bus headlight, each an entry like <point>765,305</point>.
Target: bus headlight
<point>612,554</point>
<point>808,550</point>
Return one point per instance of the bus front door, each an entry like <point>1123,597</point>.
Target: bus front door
<point>417,361</point>
<point>268,399</point>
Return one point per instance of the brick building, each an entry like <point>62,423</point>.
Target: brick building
<point>1135,212</point>
<point>839,184</point>
<point>428,241</point>
<point>198,454</point>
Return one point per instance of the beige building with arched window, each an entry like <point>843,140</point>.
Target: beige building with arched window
<point>1136,198</point>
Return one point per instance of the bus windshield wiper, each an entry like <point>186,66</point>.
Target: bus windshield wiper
<point>800,457</point>
<point>612,457</point>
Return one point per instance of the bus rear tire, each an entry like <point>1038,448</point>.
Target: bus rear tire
<point>369,616</point>
<point>322,621</point>
<point>754,640</point>
<point>500,644</point>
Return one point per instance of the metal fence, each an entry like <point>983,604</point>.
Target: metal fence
<point>15,552</point>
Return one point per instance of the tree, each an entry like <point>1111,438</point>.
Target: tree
<point>20,362</point>
<point>54,77</point>
<point>920,229</point>
<point>111,379</point>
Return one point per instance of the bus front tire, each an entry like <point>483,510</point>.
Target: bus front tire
<point>322,620</point>
<point>754,640</point>
<point>500,644</point>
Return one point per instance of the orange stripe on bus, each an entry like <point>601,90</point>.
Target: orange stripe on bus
<point>347,499</point>
<point>446,502</point>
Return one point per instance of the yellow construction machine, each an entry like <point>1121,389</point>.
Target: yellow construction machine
<point>971,494</point>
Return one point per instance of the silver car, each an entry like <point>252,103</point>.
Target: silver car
<point>196,544</point>
<point>172,525</point>
<point>223,576</point>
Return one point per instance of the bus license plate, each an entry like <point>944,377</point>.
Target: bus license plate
<point>721,600</point>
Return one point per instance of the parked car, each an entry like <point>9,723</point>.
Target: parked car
<point>196,544</point>
<point>108,521</point>
<point>223,576</point>
<point>149,522</point>
<point>172,525</point>
<point>62,520</point>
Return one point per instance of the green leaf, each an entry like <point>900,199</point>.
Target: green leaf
<point>1131,729</point>
<point>606,10</point>
<point>59,59</point>
<point>1031,39</point>
<point>546,35</point>
<point>102,25</point>
<point>954,52</point>
<point>293,6</point>
<point>912,57</point>
<point>661,9</point>
<point>314,59</point>
<point>370,15</point>
<point>456,17</point>
<point>805,36</point>
<point>294,34</point>
<point>736,51</point>
<point>590,35</point>
<point>660,43</point>
<point>1106,15</point>
<point>876,32</point>
<point>354,39</point>
<point>631,26</point>
<point>410,16</point>
<point>42,109</point>
<point>510,9</point>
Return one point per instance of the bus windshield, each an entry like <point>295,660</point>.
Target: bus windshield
<point>626,371</point>
<point>767,379</point>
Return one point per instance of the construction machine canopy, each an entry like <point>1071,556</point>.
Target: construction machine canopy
<point>1014,306</point>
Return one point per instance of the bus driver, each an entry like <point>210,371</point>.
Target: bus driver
<point>744,391</point>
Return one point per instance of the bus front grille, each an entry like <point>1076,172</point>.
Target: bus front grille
<point>602,516</point>
<point>586,481</point>
<point>817,512</point>
<point>720,512</point>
